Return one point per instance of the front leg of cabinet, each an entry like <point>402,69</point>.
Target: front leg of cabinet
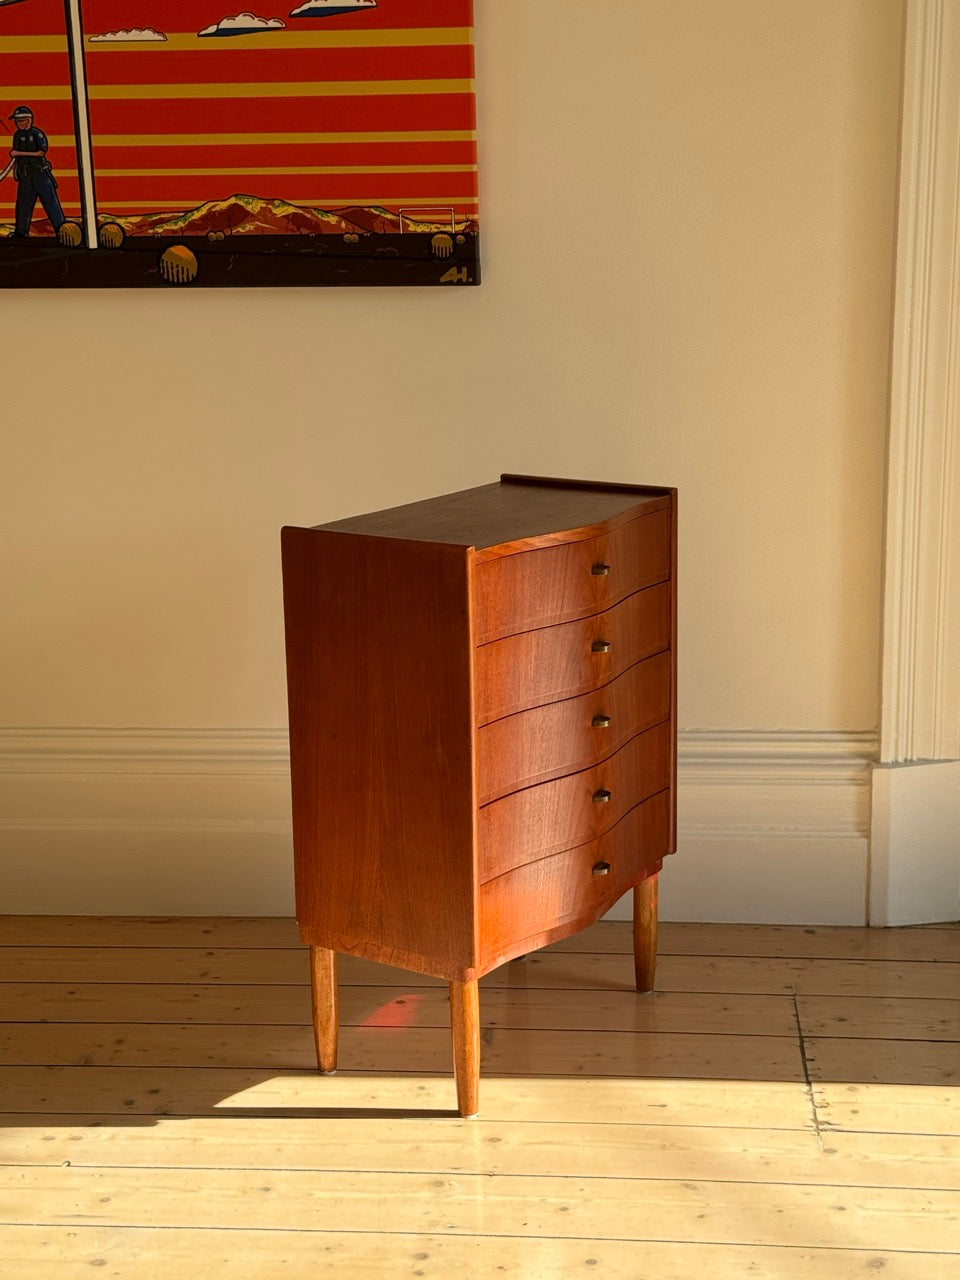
<point>465,1026</point>
<point>323,987</point>
<point>645,932</point>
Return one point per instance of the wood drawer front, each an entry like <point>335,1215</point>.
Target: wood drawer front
<point>549,585</point>
<point>551,663</point>
<point>561,894</point>
<point>547,742</point>
<point>558,815</point>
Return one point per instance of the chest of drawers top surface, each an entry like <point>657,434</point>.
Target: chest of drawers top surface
<point>518,510</point>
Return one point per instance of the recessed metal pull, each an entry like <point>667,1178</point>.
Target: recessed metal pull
<point>600,570</point>
<point>601,796</point>
<point>600,646</point>
<point>601,722</point>
<point>601,868</point>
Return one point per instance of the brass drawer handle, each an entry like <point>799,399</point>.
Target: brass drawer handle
<point>600,570</point>
<point>601,796</point>
<point>601,722</point>
<point>601,868</point>
<point>600,646</point>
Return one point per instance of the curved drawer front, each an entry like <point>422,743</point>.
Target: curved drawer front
<point>536,667</point>
<point>573,580</point>
<point>564,892</point>
<point>564,737</point>
<point>573,810</point>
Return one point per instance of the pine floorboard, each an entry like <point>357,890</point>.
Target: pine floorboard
<point>787,1104</point>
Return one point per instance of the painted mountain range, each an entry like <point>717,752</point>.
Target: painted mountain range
<point>251,215</point>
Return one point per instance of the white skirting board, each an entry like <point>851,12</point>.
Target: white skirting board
<point>773,826</point>
<point>773,829</point>
<point>915,871</point>
<point>145,822</point>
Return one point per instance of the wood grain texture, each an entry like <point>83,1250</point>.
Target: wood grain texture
<point>908,947</point>
<point>887,1062</point>
<point>314,1200</point>
<point>546,1053</point>
<point>851,1100</point>
<point>465,1036</point>
<point>517,513</point>
<point>749,1139</point>
<point>914,950</point>
<point>151,1096</point>
<point>548,586</point>
<point>324,1006</point>
<point>645,933</point>
<point>381,745</point>
<point>564,891</point>
<point>412,1050</point>
<point>558,815</point>
<point>366,986</point>
<point>171,1253</point>
<point>552,663</point>
<point>400,1005</point>
<point>674,663</point>
<point>561,1147</point>
<point>561,738</point>
<point>68,971</point>
<point>882,1018</point>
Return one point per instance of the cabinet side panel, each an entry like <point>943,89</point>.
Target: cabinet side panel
<point>379,674</point>
<point>672,837</point>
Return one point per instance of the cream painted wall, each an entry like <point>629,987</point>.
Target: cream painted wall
<point>688,213</point>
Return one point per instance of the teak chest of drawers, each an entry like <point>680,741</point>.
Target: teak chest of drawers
<point>482,693</point>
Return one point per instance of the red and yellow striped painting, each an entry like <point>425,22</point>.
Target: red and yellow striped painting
<point>330,105</point>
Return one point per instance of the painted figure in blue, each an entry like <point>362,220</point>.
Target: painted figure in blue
<point>33,174</point>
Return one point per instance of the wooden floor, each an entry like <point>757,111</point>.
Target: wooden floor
<point>786,1105</point>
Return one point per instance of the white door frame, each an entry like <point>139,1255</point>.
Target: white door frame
<point>915,862</point>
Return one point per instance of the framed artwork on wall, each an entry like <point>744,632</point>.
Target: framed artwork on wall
<point>176,143</point>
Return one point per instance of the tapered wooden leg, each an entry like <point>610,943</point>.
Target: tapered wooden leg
<point>465,1026</point>
<point>645,933</point>
<point>323,987</point>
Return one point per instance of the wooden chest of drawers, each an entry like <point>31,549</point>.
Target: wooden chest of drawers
<point>482,731</point>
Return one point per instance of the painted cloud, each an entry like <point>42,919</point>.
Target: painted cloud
<point>242,24</point>
<point>327,8</point>
<point>138,34</point>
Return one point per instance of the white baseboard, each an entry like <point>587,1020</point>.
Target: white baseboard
<point>146,869</point>
<point>915,871</point>
<point>145,822</point>
<point>773,826</point>
<point>773,829</point>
